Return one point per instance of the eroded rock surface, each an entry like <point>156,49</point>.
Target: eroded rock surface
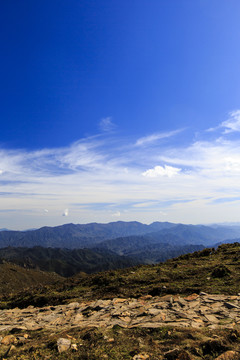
<point>197,311</point>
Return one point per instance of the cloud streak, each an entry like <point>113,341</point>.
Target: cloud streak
<point>233,123</point>
<point>147,140</point>
<point>107,175</point>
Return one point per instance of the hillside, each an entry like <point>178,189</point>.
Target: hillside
<point>65,262</point>
<point>150,312</point>
<point>209,270</point>
<point>14,278</point>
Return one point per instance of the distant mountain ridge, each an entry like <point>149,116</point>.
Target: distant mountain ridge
<point>93,247</point>
<point>76,236</point>
<point>150,248</point>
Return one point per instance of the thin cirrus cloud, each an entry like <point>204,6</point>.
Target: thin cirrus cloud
<point>92,173</point>
<point>231,125</point>
<point>106,124</point>
<point>225,200</point>
<point>147,140</point>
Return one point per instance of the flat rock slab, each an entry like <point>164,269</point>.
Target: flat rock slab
<point>192,311</point>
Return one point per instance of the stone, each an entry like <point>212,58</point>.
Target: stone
<point>166,298</point>
<point>181,315</point>
<point>74,347</point>
<point>73,305</point>
<point>146,297</point>
<point>199,311</point>
<point>125,318</point>
<point>154,312</point>
<point>229,355</point>
<point>193,304</point>
<point>181,302</point>
<point>63,344</point>
<point>110,340</point>
<point>8,340</point>
<point>211,318</point>
<point>119,300</point>
<point>191,297</point>
<point>141,357</point>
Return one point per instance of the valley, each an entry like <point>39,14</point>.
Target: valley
<point>183,307</point>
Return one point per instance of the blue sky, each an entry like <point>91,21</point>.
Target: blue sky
<point>119,110</point>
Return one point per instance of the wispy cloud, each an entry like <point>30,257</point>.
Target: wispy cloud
<point>225,200</point>
<point>233,123</point>
<point>107,175</point>
<point>106,124</point>
<point>146,140</point>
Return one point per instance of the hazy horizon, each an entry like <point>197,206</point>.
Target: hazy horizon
<point>227,224</point>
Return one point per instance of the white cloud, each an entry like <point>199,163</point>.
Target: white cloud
<point>232,163</point>
<point>233,123</point>
<point>46,210</point>
<point>116,214</point>
<point>65,213</point>
<point>159,171</point>
<point>104,169</point>
<point>146,140</point>
<point>80,155</point>
<point>106,124</point>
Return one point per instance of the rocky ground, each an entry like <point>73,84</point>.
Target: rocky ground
<point>196,311</point>
<point>211,312</point>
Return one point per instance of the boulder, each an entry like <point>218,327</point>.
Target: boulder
<point>63,344</point>
<point>8,340</point>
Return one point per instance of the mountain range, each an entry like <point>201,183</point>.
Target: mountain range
<point>71,248</point>
<point>76,236</point>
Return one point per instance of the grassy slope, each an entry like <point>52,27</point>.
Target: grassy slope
<point>211,271</point>
<point>14,278</point>
<point>207,270</point>
<point>124,344</point>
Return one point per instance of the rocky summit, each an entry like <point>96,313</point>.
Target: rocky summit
<point>196,311</point>
<point>197,326</point>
